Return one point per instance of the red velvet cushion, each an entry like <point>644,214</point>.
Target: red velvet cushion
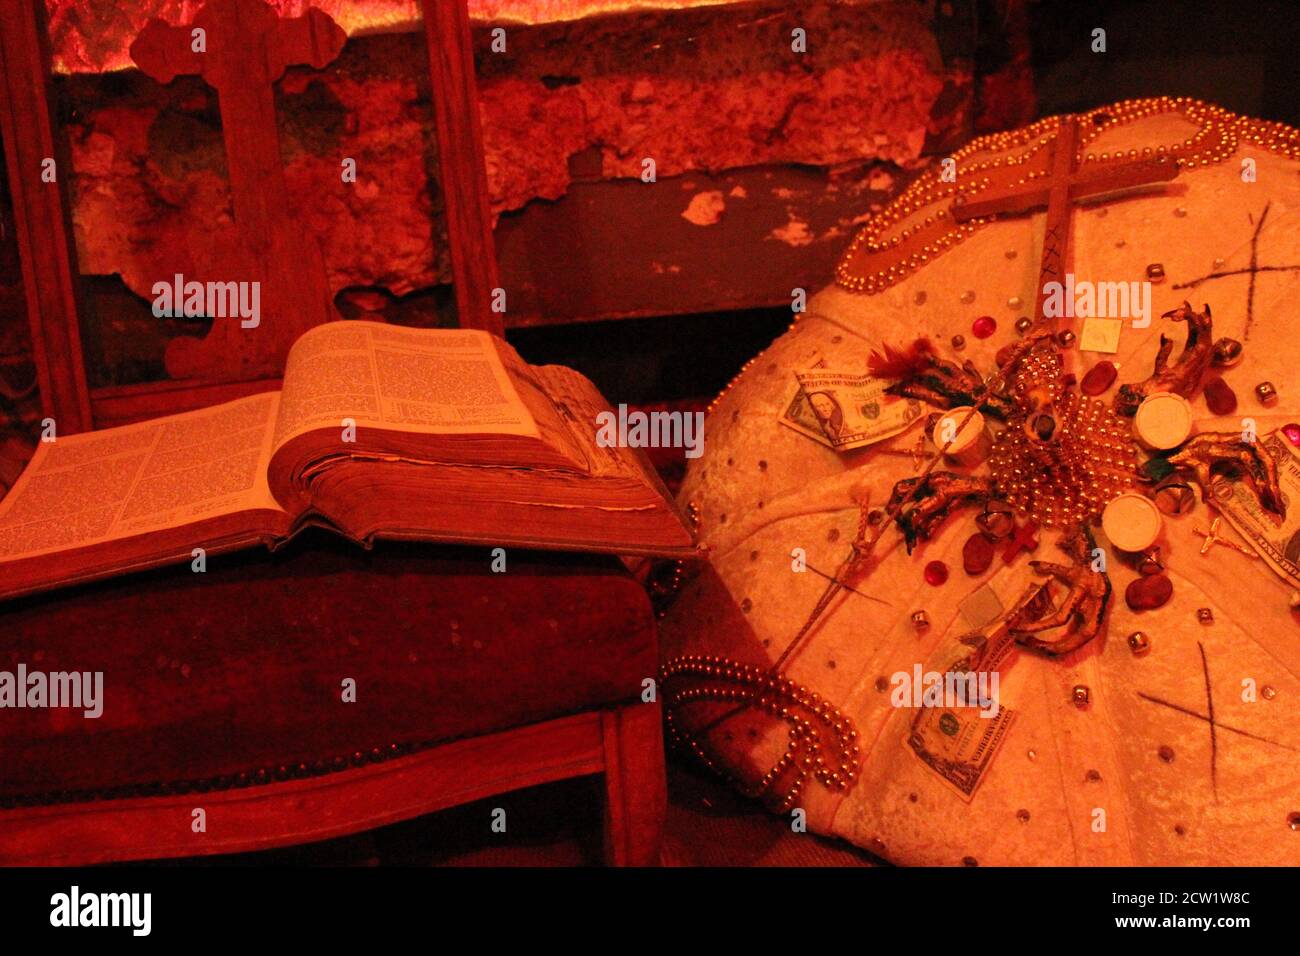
<point>235,676</point>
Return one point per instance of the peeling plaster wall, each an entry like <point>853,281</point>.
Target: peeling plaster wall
<point>587,89</point>
<point>708,95</point>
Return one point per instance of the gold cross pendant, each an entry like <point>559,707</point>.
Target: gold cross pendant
<point>1212,538</point>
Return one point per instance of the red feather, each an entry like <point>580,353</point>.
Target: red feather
<point>901,363</point>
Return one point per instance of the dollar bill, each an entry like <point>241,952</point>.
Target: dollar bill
<point>1276,540</point>
<point>798,414</point>
<point>847,409</point>
<point>959,743</point>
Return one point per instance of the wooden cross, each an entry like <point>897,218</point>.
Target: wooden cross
<point>243,49</point>
<point>1063,186</point>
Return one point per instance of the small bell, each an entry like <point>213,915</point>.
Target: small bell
<point>1174,497</point>
<point>1228,353</point>
<point>1149,561</point>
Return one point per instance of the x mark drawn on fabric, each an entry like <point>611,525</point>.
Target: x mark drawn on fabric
<point>1253,270</point>
<point>1215,725</point>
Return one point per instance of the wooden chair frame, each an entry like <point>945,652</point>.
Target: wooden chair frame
<point>42,217</point>
<point>623,744</point>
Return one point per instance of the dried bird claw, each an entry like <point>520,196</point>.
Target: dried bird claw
<point>1184,376</point>
<point>1204,453</point>
<point>924,376</point>
<point>1082,611</point>
<point>922,504</point>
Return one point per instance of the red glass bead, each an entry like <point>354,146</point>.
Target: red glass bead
<point>936,573</point>
<point>1219,397</point>
<point>984,326</point>
<point>1099,378</point>
<point>1292,433</point>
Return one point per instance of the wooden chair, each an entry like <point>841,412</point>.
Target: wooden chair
<point>225,692</point>
<point>224,689</point>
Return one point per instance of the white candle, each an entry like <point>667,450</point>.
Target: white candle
<point>1163,420</point>
<point>1131,522</point>
<point>969,441</point>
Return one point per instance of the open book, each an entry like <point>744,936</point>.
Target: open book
<point>378,431</point>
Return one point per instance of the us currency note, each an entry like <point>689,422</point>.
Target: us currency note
<point>1276,540</point>
<point>959,743</point>
<point>848,409</point>
<point>799,415</point>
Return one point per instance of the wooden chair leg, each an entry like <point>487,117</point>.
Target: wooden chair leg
<point>636,794</point>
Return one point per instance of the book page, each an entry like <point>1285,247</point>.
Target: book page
<point>100,486</point>
<point>424,381</point>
